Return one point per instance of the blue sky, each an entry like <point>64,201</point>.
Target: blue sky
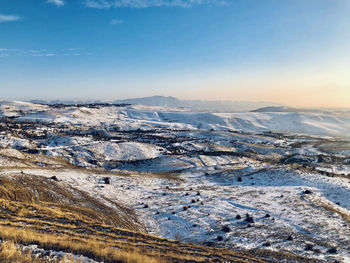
<point>209,49</point>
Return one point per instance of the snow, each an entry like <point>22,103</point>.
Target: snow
<point>197,171</point>
<point>149,117</point>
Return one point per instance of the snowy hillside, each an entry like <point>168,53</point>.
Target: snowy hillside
<point>270,181</point>
<point>331,123</point>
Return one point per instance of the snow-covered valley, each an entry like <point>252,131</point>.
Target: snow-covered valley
<point>277,181</point>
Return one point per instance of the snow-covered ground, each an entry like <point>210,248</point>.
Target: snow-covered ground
<point>330,123</point>
<point>194,176</point>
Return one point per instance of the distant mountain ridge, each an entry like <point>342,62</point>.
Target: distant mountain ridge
<point>198,105</point>
<point>172,102</point>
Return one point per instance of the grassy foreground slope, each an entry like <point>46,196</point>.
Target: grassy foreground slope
<point>49,214</point>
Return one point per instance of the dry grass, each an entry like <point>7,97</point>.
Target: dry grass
<point>10,253</point>
<point>91,247</point>
<point>35,210</point>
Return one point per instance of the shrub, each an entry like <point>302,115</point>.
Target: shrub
<point>249,218</point>
<point>239,179</point>
<point>332,250</point>
<point>219,238</point>
<point>238,217</point>
<point>107,180</point>
<point>267,244</point>
<point>289,238</point>
<point>307,192</point>
<point>226,229</point>
<point>267,215</point>
<point>309,247</point>
<point>54,178</point>
<point>145,206</point>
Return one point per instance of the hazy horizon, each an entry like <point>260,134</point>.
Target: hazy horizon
<point>292,52</point>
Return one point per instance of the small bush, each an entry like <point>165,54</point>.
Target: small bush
<point>239,179</point>
<point>332,250</point>
<point>107,180</point>
<point>249,218</point>
<point>219,238</point>
<point>267,215</point>
<point>267,244</point>
<point>145,206</point>
<point>309,247</point>
<point>184,208</point>
<point>54,178</point>
<point>238,217</point>
<point>289,238</point>
<point>226,229</point>
<point>307,192</point>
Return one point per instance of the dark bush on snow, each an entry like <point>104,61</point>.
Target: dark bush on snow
<point>289,238</point>
<point>267,215</point>
<point>54,178</point>
<point>239,179</point>
<point>107,180</point>
<point>249,218</point>
<point>238,217</point>
<point>267,244</point>
<point>307,192</point>
<point>309,247</point>
<point>220,238</point>
<point>145,206</point>
<point>226,229</point>
<point>332,250</point>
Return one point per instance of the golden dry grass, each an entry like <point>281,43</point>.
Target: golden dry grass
<point>35,210</point>
<point>10,253</point>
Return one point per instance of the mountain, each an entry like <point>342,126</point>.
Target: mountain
<point>276,109</point>
<point>198,105</point>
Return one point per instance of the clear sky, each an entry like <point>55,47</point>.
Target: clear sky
<point>295,52</point>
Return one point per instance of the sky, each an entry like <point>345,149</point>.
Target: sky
<point>292,52</point>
